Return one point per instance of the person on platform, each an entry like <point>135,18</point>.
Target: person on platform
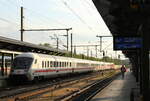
<point>123,70</point>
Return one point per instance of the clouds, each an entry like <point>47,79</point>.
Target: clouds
<point>81,15</point>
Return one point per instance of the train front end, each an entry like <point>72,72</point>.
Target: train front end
<point>21,67</point>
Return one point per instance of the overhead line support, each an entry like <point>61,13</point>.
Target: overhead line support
<point>100,37</point>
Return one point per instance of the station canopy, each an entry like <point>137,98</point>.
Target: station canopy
<point>122,17</point>
<point>16,45</point>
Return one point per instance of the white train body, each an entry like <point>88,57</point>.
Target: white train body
<point>36,66</point>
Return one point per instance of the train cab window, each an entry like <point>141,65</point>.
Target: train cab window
<point>35,61</point>
<point>22,63</point>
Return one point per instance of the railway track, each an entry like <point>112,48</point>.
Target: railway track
<point>50,90</point>
<point>85,94</point>
<point>19,88</point>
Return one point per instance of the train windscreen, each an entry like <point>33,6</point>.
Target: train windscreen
<point>22,63</point>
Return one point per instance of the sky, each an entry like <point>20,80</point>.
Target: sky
<point>80,15</point>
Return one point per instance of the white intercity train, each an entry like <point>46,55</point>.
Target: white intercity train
<point>34,66</point>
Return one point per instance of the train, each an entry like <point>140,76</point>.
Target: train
<point>35,66</point>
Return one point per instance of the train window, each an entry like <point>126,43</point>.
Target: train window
<point>66,64</point>
<point>35,61</point>
<point>59,64</point>
<point>62,64</point>
<point>55,64</point>
<point>70,64</point>
<point>51,64</point>
<point>42,64</point>
<point>47,63</point>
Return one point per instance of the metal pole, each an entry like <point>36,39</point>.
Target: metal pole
<point>100,43</point>
<point>71,44</point>
<point>57,42</point>
<point>91,53</point>
<point>96,50</point>
<point>21,24</point>
<point>87,51</point>
<point>74,49</point>
<point>67,40</point>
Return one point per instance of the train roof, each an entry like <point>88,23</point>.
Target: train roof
<point>26,55</point>
<point>60,58</point>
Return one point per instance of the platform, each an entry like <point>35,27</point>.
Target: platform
<point>118,90</point>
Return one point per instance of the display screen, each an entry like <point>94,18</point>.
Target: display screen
<point>127,43</point>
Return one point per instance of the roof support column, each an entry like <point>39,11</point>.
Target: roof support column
<point>145,59</point>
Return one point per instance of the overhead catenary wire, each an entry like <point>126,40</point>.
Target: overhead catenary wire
<point>7,4</point>
<point>37,13</point>
<point>108,46</point>
<point>8,21</point>
<point>46,17</point>
<point>74,12</point>
<point>87,2</point>
<point>12,3</point>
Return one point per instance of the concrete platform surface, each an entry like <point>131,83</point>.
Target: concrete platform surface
<point>118,90</point>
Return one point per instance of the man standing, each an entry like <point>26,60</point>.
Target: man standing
<point>123,70</point>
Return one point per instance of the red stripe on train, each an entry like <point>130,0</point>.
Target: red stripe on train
<point>52,70</point>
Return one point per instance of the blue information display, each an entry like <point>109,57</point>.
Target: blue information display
<point>127,43</point>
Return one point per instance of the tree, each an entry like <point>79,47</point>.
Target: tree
<point>46,45</point>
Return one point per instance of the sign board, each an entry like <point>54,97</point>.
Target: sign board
<point>127,43</point>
